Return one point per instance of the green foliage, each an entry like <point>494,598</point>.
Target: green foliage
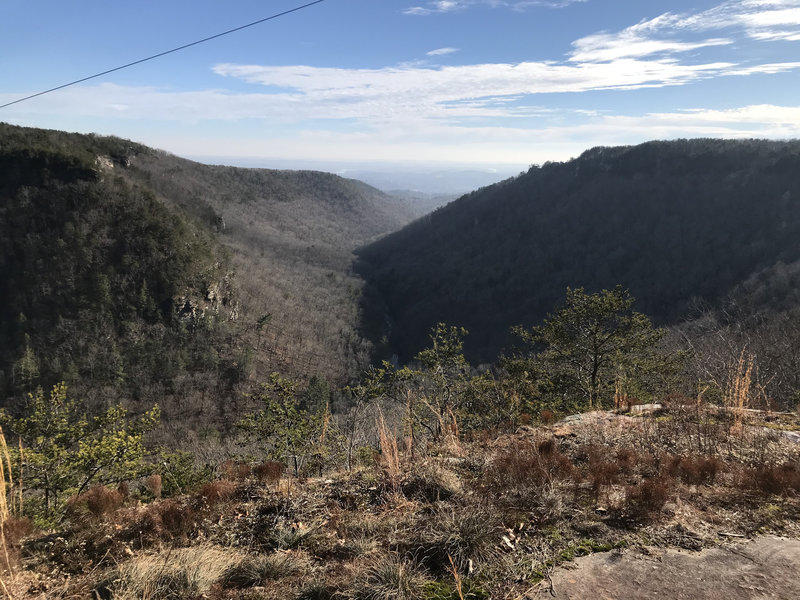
<point>317,395</point>
<point>469,590</point>
<point>65,450</point>
<point>282,428</point>
<point>180,473</point>
<point>442,379</point>
<point>597,345</point>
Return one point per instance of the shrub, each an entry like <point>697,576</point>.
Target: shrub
<point>626,460</point>
<point>235,470</point>
<point>778,480</point>
<point>162,520</point>
<point>180,474</point>
<point>547,417</point>
<point>696,469</point>
<point>178,520</point>
<point>153,484</point>
<point>524,465</point>
<point>602,473</point>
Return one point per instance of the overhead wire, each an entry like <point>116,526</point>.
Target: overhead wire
<point>160,54</point>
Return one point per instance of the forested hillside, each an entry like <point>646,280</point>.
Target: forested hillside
<point>103,286</point>
<point>135,275</point>
<point>293,234</point>
<point>682,224</point>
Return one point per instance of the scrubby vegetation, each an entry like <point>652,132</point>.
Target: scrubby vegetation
<point>487,518</point>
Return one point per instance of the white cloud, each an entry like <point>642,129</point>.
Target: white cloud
<point>441,51</point>
<point>767,20</point>
<point>447,6</point>
<point>419,90</point>
<point>440,6</point>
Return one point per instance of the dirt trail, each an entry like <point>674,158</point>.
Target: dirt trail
<point>767,567</point>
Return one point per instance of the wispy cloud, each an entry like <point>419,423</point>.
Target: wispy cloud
<point>441,51</point>
<point>440,6</point>
<point>646,38</point>
<point>439,91</point>
<point>447,6</point>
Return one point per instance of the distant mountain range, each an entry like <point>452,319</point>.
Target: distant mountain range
<point>417,177</point>
<point>682,224</point>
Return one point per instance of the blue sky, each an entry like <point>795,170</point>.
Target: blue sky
<point>478,82</point>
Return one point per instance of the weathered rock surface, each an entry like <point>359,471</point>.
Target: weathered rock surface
<point>767,567</point>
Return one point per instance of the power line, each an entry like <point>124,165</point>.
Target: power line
<point>160,54</point>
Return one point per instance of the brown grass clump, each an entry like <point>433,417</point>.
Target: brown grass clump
<point>269,471</point>
<point>217,491</point>
<point>464,537</point>
<point>170,574</point>
<point>256,570</point>
<point>430,482</point>
<point>98,502</point>
<point>153,484</point>
<point>390,578</point>
<point>644,500</point>
<point>778,479</point>
<point>695,469</point>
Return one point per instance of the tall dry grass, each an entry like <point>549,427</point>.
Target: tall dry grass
<point>173,573</point>
<point>390,454</point>
<point>739,391</point>
<point>6,489</point>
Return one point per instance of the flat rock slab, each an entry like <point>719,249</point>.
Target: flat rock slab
<point>767,567</point>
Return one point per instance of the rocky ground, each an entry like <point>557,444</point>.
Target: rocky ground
<point>764,567</point>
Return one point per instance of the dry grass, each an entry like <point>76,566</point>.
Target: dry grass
<point>269,471</point>
<point>390,578</point>
<point>174,573</point>
<point>390,455</point>
<point>737,396</point>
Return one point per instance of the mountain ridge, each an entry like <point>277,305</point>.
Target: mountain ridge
<point>677,222</point>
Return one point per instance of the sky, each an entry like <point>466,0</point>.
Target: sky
<point>467,82</point>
